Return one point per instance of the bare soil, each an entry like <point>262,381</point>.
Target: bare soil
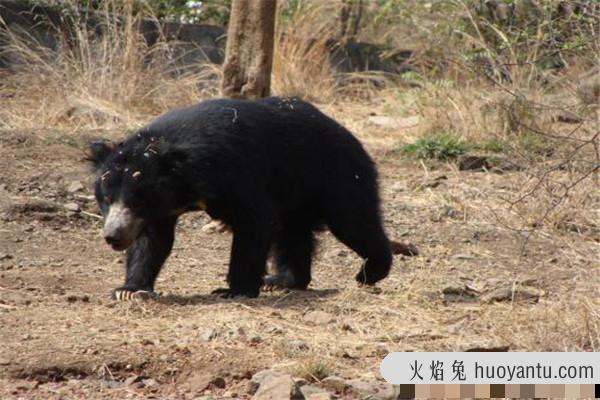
<point>62,337</point>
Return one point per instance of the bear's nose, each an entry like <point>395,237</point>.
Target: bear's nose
<point>112,239</point>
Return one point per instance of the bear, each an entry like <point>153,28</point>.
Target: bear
<point>274,170</point>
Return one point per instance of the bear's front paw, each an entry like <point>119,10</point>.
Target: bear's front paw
<point>229,293</point>
<point>123,294</point>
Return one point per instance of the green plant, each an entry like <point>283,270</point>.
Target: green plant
<point>440,146</point>
<point>493,146</point>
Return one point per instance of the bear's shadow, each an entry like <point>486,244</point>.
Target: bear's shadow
<point>278,299</point>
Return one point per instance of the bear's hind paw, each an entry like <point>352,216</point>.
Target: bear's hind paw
<point>228,293</point>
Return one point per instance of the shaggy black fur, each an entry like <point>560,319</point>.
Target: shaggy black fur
<point>272,169</point>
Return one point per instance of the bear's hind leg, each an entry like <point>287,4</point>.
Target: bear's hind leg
<point>293,257</point>
<point>358,226</point>
<point>145,258</point>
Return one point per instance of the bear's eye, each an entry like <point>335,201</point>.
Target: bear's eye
<point>107,199</point>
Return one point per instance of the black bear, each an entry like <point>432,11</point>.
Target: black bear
<point>273,170</point>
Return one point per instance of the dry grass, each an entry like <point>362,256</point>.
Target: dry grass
<point>301,64</point>
<point>112,80</point>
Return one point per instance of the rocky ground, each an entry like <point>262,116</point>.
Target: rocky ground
<point>476,284</point>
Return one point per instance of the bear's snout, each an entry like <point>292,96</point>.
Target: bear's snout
<point>121,227</point>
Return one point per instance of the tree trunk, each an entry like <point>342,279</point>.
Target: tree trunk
<point>249,51</point>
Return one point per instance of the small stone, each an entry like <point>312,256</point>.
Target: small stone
<point>4,256</point>
<point>208,335</point>
<point>526,294</point>
<point>75,187</point>
<point>319,396</point>
<point>473,163</point>
<point>150,383</point>
<point>459,293</point>
<point>392,122</point>
<point>27,385</point>
<point>111,384</point>
<point>486,346</point>
<point>314,393</point>
<point>259,377</point>
<point>214,227</point>
<point>372,389</point>
<point>4,361</point>
<point>275,387</point>
<point>568,117</point>
<point>72,207</point>
<point>334,383</point>
<point>317,317</point>
<point>433,183</point>
<point>131,380</point>
<point>219,382</point>
<point>198,381</point>
<point>255,339</point>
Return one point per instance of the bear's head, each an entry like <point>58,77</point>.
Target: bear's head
<point>137,183</point>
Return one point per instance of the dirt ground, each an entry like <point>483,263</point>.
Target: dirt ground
<point>62,337</point>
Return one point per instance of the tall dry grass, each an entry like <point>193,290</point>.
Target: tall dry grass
<point>111,79</point>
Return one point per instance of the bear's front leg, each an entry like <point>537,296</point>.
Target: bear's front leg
<point>252,235</point>
<point>145,258</point>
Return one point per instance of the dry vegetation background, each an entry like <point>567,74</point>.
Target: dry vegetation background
<point>508,252</point>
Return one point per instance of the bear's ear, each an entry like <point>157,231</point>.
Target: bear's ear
<point>98,151</point>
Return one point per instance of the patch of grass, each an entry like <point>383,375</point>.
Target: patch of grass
<point>493,146</point>
<point>63,139</point>
<point>313,370</point>
<point>536,145</point>
<point>439,146</point>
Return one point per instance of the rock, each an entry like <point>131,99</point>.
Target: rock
<point>514,294</point>
<point>72,207</point>
<point>459,293</point>
<point>277,386</point>
<point>567,117</point>
<point>506,165</point>
<point>4,361</point>
<point>209,334</point>
<point>255,339</point>
<point>27,385</point>
<point>311,392</point>
<point>111,384</point>
<point>75,187</point>
<point>214,227</point>
<point>404,248</point>
<point>4,256</point>
<point>334,383</point>
<point>198,381</point>
<point>473,163</point>
<point>150,383</point>
<point>132,379</point>
<point>372,389</point>
<point>432,183</point>
<point>317,317</point>
<point>486,346</point>
<point>259,377</point>
<point>219,382</point>
<point>393,122</point>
